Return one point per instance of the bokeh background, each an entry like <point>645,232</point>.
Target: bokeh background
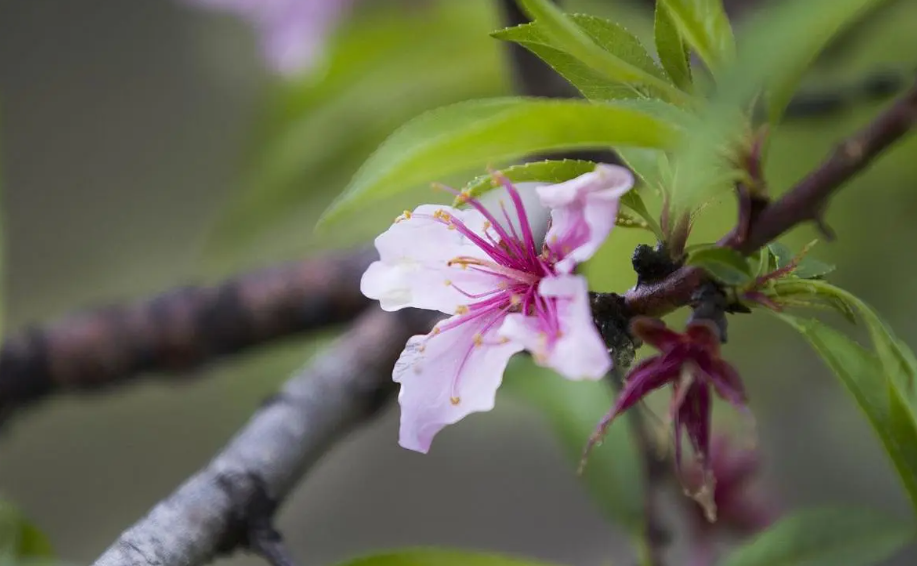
<point>145,144</point>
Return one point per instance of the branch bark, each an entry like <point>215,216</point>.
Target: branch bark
<point>222,507</point>
<point>179,330</point>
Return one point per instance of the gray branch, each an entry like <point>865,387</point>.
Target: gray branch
<point>216,510</point>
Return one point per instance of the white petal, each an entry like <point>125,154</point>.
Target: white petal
<point>447,375</point>
<point>413,268</point>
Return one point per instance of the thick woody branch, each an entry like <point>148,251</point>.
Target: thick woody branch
<point>179,330</point>
<point>228,505</point>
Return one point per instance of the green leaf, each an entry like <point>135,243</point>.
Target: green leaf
<point>609,36</point>
<point>20,540</point>
<point>825,537</point>
<point>573,410</point>
<point>826,21</point>
<point>486,132</point>
<point>725,264</point>
<point>810,268</point>
<point>548,171</point>
<point>807,268</point>
<point>704,25</point>
<point>776,44</point>
<point>439,557</point>
<point>673,54</point>
<point>864,377</point>
<point>561,33</point>
<point>782,254</point>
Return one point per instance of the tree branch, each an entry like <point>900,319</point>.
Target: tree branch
<point>179,330</point>
<point>227,505</point>
<point>806,201</point>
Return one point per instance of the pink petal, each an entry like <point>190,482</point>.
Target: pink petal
<point>447,375</point>
<point>413,268</point>
<point>583,212</point>
<point>580,352</point>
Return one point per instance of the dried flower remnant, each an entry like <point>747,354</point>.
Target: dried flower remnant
<point>692,365</point>
<point>506,292</point>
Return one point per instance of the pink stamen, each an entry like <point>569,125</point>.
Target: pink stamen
<point>520,212</point>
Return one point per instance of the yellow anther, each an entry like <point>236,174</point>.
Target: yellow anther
<point>448,283</point>
<point>515,300</point>
<point>435,331</point>
<point>478,340</point>
<point>455,400</point>
<point>461,309</point>
<point>407,214</point>
<point>487,225</point>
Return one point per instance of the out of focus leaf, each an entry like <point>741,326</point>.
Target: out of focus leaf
<point>673,54</point>
<point>439,557</point>
<point>573,410</point>
<point>609,36</point>
<point>725,264</point>
<point>484,132</point>
<point>777,44</point>
<point>825,537</point>
<point>20,540</point>
<point>864,376</point>
<point>317,133</point>
<point>704,25</point>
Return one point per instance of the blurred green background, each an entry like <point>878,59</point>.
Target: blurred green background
<point>144,145</point>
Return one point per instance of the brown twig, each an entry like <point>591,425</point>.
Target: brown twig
<point>808,199</point>
<point>229,504</point>
<point>179,330</point>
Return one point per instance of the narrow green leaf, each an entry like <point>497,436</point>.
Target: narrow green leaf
<point>863,375</point>
<point>725,264</point>
<point>609,36</point>
<point>439,557</point>
<point>673,54</point>
<point>548,171</point>
<point>573,410</point>
<point>704,25</point>
<point>563,34</point>
<point>825,537</point>
<point>480,133</point>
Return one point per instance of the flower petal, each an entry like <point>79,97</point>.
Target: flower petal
<point>725,380</point>
<point>453,371</point>
<point>583,212</point>
<point>706,335</point>
<point>655,333</point>
<point>413,268</point>
<point>564,337</point>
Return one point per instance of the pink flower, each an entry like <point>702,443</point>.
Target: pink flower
<point>692,365</point>
<point>292,32</point>
<point>506,292</point>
